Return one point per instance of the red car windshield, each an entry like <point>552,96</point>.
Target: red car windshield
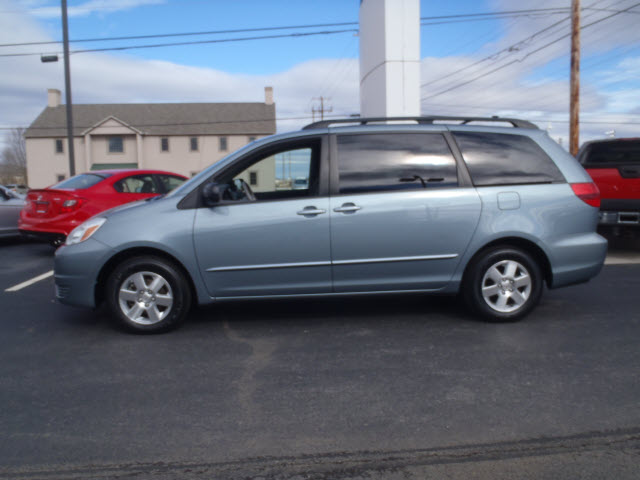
<point>80,182</point>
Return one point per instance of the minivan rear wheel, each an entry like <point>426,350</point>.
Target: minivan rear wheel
<point>503,284</point>
<point>148,295</point>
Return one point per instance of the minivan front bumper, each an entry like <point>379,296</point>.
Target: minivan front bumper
<point>76,270</point>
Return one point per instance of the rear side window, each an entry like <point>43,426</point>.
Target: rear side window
<point>389,162</point>
<point>136,184</point>
<point>80,182</point>
<point>611,154</point>
<point>503,159</point>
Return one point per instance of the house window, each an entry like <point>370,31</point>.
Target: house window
<point>116,145</point>
<point>252,139</point>
<point>164,144</point>
<point>223,144</point>
<point>60,177</point>
<point>253,178</point>
<point>193,144</point>
<point>59,145</point>
<point>193,174</point>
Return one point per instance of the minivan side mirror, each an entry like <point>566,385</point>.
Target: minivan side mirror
<point>212,193</point>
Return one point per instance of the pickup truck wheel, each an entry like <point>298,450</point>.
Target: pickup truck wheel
<point>148,295</point>
<point>503,284</point>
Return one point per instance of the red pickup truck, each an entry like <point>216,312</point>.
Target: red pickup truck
<point>614,165</point>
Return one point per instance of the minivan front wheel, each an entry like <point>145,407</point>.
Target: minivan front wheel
<point>503,284</point>
<point>148,295</point>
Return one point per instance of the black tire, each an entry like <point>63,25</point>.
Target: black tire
<point>510,287</point>
<point>131,284</point>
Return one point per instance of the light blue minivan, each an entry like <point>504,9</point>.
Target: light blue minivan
<point>491,208</point>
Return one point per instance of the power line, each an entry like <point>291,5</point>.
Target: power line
<point>443,19</point>
<point>217,122</point>
<point>516,46</point>
<point>183,34</point>
<point>462,17</point>
<point>505,17</point>
<point>199,42</point>
<point>502,97</point>
<point>519,60</point>
<point>493,56</point>
<point>342,115</point>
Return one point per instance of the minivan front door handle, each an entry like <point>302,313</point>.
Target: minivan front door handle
<point>311,211</point>
<point>347,208</point>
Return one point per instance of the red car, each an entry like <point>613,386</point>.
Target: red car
<point>51,213</point>
<point>614,165</point>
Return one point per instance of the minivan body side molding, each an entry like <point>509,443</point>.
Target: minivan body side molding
<point>337,262</point>
<point>395,259</point>
<point>268,266</point>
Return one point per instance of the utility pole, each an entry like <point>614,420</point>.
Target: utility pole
<point>574,102</point>
<point>320,110</point>
<point>67,87</point>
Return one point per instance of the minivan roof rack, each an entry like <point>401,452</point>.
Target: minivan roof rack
<point>430,120</point>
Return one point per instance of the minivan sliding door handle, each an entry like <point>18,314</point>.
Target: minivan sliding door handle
<point>347,208</point>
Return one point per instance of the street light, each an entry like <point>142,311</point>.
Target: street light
<point>67,85</point>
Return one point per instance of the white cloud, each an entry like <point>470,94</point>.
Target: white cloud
<point>92,6</point>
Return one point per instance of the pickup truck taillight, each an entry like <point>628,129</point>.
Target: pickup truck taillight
<point>587,192</point>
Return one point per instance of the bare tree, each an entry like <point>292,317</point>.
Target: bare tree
<point>13,161</point>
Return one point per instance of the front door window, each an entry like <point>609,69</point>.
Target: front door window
<point>280,175</point>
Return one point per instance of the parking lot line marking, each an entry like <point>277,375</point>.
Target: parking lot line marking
<point>622,259</point>
<point>22,285</point>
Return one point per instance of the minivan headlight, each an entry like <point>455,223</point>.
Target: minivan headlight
<point>85,230</point>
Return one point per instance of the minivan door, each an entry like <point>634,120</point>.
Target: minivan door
<point>277,243</point>
<point>400,217</point>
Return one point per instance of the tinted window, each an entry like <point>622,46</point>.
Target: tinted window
<point>136,184</point>
<point>611,154</point>
<point>381,162</point>
<point>80,182</point>
<point>503,159</point>
<point>170,182</point>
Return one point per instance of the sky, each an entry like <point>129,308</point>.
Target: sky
<point>503,64</point>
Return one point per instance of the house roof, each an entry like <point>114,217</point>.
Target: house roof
<point>161,119</point>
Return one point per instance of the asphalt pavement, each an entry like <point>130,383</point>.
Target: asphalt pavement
<point>387,387</point>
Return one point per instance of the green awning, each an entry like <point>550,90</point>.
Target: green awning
<point>112,166</point>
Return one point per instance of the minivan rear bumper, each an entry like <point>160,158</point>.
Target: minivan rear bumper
<point>577,259</point>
